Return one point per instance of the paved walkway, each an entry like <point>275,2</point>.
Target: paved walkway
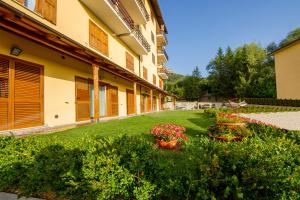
<point>285,120</point>
<point>7,196</point>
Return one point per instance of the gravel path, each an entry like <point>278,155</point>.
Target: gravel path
<point>7,196</point>
<point>285,120</point>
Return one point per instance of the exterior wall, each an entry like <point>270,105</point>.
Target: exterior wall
<point>287,64</point>
<point>77,28</point>
<point>59,78</point>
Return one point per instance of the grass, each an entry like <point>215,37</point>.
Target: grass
<point>196,123</point>
<point>77,165</point>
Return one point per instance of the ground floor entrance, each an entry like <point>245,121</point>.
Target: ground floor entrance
<point>21,94</point>
<point>108,99</point>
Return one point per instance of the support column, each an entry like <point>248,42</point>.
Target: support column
<point>134,98</point>
<point>159,102</point>
<point>96,91</point>
<point>151,99</point>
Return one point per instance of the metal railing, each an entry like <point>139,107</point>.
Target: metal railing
<point>164,35</point>
<point>143,9</point>
<point>163,51</point>
<point>122,12</point>
<point>138,34</point>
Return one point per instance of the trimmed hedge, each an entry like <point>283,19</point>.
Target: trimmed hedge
<point>266,166</point>
<point>273,102</point>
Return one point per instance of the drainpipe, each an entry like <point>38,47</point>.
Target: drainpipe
<point>139,66</point>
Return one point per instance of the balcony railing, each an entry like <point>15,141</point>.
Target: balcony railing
<point>119,8</point>
<point>122,12</point>
<point>163,34</point>
<point>138,34</point>
<point>163,51</point>
<point>143,9</point>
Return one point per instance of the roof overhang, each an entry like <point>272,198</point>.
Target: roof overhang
<point>158,14</point>
<point>286,46</point>
<point>13,20</point>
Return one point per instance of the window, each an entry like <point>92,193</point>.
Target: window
<point>47,8</point>
<point>154,79</point>
<point>152,37</point>
<point>145,73</point>
<point>98,39</point>
<point>30,4</point>
<point>153,59</point>
<point>129,62</point>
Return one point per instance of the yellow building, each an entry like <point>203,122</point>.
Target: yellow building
<point>287,65</point>
<point>54,55</point>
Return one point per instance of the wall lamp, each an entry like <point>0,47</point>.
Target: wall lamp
<point>16,51</point>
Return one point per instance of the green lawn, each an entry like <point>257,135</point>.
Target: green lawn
<point>119,160</point>
<point>195,122</point>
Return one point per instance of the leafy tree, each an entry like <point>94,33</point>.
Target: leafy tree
<point>293,35</point>
<point>196,72</point>
<point>246,72</point>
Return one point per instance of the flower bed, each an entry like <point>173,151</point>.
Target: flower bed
<point>169,136</point>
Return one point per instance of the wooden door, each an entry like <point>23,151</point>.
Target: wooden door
<point>143,102</point>
<point>149,104</point>
<point>112,101</point>
<point>82,99</point>
<point>130,102</point>
<point>154,104</point>
<point>4,94</point>
<point>28,95</point>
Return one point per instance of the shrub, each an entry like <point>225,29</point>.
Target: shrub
<point>265,166</point>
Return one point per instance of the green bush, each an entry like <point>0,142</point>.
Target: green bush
<point>267,166</point>
<point>273,102</point>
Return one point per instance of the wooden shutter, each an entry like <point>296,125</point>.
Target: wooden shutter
<point>98,39</point>
<point>143,103</point>
<point>82,99</point>
<point>130,102</point>
<point>49,10</point>
<point>4,93</point>
<point>21,1</point>
<point>148,104</point>
<point>145,73</point>
<point>154,104</point>
<point>129,62</point>
<point>28,95</point>
<point>112,101</point>
<point>154,79</point>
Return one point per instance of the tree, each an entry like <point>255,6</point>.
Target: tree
<point>246,72</point>
<point>196,72</point>
<point>292,36</point>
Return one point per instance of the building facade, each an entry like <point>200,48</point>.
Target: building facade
<point>69,61</point>
<point>287,65</point>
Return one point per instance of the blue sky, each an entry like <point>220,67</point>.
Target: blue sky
<point>197,28</point>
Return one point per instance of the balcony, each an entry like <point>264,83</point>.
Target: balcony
<point>162,38</point>
<point>162,72</point>
<point>162,56</point>
<point>115,16</point>
<point>137,10</point>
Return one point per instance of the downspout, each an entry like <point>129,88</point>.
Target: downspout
<point>140,66</point>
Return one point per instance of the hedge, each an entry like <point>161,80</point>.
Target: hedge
<point>266,166</point>
<point>273,102</point>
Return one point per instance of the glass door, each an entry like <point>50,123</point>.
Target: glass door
<point>102,99</point>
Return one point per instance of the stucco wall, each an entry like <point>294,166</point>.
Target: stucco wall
<point>287,63</point>
<point>59,78</point>
<point>73,21</point>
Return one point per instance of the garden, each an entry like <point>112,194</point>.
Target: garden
<point>168,155</point>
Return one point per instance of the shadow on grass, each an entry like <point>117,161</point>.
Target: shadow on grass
<point>49,172</point>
